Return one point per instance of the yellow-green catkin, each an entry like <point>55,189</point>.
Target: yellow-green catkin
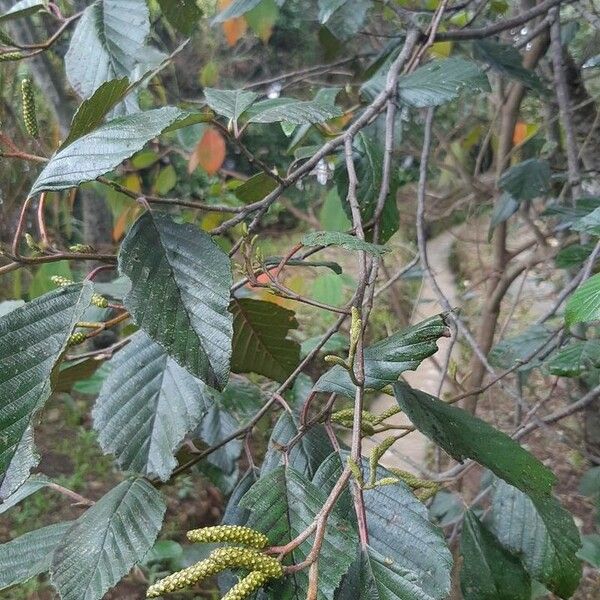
<point>229,533</point>
<point>184,578</point>
<point>250,584</point>
<point>61,281</point>
<point>77,338</point>
<point>249,559</point>
<point>29,117</point>
<point>11,56</point>
<point>32,244</point>
<point>81,248</point>
<point>99,301</point>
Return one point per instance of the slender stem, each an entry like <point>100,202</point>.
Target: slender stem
<point>20,227</point>
<point>41,221</point>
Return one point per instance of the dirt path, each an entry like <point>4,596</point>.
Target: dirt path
<point>412,450</point>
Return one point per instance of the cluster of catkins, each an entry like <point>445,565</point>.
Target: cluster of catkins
<point>248,556</point>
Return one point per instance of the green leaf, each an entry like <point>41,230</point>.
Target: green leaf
<point>543,534</point>
<point>255,188</point>
<point>32,339</point>
<point>590,223</point>
<point>328,288</point>
<point>584,303</point>
<point>465,436</point>
<point>148,403</point>
<point>229,103</point>
<point>590,482</point>
<point>572,212</point>
<point>575,359</point>
<point>29,555</point>
<point>387,359</point>
<point>306,456</point>
<point>31,486</point>
<point>166,180</point>
<point>75,372</point>
<point>323,96</point>
<point>234,514</point>
<point>42,280</point>
<point>527,180</point>
<point>412,543</point>
<point>7,306</point>
<point>590,549</point>
<point>375,577</point>
<point>107,541</point>
<point>215,427</point>
<point>274,261</point>
<point>348,19</point>
<point>182,14</point>
<point>241,398</point>
<point>368,160</point>
<point>298,112</point>
<point>283,504</point>
<point>592,62</point>
<point>262,18</point>
<point>109,42</point>
<point>441,81</point>
<point>23,8</point>
<point>260,344</point>
<point>512,350</point>
<point>507,60</point>
<point>349,242</point>
<point>24,459</point>
<point>489,572</point>
<point>103,149</point>
<point>400,534</point>
<point>504,208</point>
<point>332,216</point>
<point>236,9</point>
<point>327,8</point>
<point>92,111</point>
<point>180,293</point>
<point>573,256</point>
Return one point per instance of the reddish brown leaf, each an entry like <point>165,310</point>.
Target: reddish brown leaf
<point>233,29</point>
<point>209,153</point>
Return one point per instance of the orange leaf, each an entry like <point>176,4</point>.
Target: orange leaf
<point>123,221</point>
<point>233,29</point>
<point>520,132</point>
<point>209,152</point>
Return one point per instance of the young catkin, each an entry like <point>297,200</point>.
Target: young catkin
<point>99,301</point>
<point>229,533</point>
<point>184,578</point>
<point>249,559</point>
<point>77,338</point>
<point>252,582</point>
<point>61,281</point>
<point>10,56</point>
<point>29,117</point>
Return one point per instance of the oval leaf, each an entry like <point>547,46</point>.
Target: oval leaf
<point>489,572</point>
<point>147,404</point>
<point>30,554</point>
<point>108,43</point>
<point>107,541</point>
<point>32,339</point>
<point>387,359</point>
<point>103,149</point>
<point>180,293</point>
<point>260,344</point>
<point>584,303</point>
<point>209,153</point>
